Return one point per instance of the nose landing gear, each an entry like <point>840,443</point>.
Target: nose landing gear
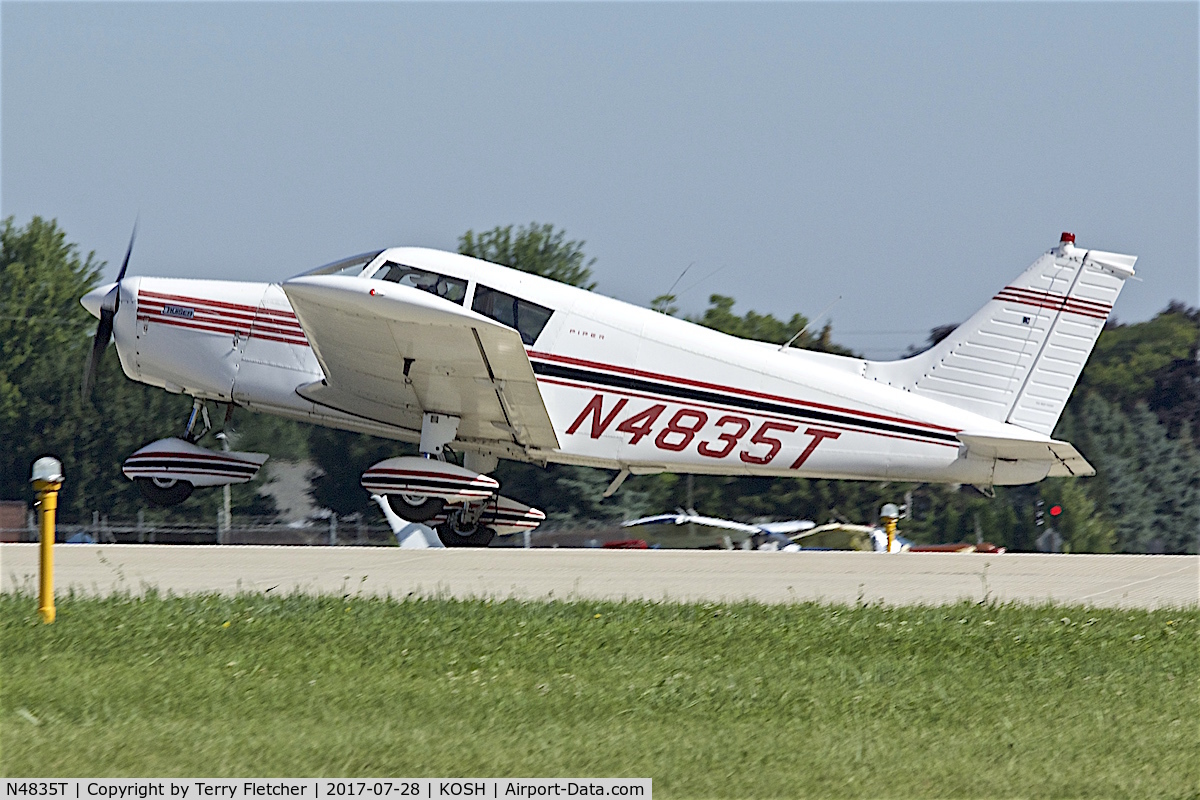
<point>166,471</point>
<point>164,491</point>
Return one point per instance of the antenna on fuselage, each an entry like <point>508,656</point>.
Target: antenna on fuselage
<point>667,298</point>
<point>663,301</point>
<point>677,280</point>
<point>800,332</point>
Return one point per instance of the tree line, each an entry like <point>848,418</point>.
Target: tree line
<point>1135,414</point>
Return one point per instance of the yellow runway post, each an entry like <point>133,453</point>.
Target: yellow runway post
<point>890,513</point>
<point>47,480</point>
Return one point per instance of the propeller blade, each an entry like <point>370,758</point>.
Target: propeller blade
<point>125,263</point>
<point>108,312</point>
<point>103,335</point>
<point>128,251</point>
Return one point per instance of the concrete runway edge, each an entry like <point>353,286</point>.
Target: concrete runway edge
<point>673,575</point>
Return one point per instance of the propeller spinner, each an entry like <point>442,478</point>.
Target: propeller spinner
<point>108,312</point>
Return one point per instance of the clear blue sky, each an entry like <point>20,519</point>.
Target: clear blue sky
<point>909,157</point>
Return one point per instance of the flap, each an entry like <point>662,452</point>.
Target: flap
<point>392,352</point>
<point>1067,461</point>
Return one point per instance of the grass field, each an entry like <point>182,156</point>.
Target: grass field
<point>708,700</point>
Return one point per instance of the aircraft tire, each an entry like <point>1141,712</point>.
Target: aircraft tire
<point>164,493</point>
<point>480,537</point>
<point>424,509</point>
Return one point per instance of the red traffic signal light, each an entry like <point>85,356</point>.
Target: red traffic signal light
<point>1055,510</point>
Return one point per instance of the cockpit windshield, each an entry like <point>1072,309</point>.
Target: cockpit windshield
<point>452,289</point>
<point>351,266</point>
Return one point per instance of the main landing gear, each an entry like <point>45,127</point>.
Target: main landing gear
<point>464,528</point>
<point>418,508</point>
<point>462,504</point>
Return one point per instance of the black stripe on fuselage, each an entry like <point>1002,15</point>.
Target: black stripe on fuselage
<point>748,403</point>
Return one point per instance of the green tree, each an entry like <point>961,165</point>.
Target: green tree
<point>665,304</point>
<point>537,249</point>
<point>1083,528</point>
<point>45,339</point>
<point>1147,482</point>
<point>1175,398</point>
<point>42,277</point>
<point>1127,358</point>
<point>341,458</point>
<point>573,496</point>
<point>761,327</point>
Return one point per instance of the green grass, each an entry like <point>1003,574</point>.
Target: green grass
<point>708,700</point>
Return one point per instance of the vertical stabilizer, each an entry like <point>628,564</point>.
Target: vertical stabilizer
<point>1018,358</point>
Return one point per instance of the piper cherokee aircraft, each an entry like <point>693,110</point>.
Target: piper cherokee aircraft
<point>461,356</point>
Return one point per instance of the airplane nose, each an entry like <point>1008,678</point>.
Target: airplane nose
<point>91,301</point>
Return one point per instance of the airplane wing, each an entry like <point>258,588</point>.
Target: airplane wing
<point>392,352</point>
<point>1067,461</point>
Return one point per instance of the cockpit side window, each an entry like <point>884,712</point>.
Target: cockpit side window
<point>528,318</point>
<point>452,289</point>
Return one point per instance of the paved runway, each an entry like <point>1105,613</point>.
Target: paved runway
<point>682,575</point>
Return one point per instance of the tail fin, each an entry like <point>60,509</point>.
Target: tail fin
<point>1018,358</point>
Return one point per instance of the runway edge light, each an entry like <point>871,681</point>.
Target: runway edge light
<point>47,479</point>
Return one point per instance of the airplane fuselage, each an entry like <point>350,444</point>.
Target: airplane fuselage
<point>624,387</point>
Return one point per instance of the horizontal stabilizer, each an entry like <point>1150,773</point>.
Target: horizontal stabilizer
<point>1066,460</point>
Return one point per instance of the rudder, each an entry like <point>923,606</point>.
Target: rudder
<point>1018,358</point>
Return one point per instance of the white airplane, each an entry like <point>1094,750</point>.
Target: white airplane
<point>453,353</point>
<point>686,529</point>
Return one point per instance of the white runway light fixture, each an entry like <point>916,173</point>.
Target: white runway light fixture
<point>47,479</point>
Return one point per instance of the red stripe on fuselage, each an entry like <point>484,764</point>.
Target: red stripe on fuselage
<point>733,390</point>
<point>198,308</point>
<point>739,410</point>
<point>270,324</point>
<point>178,298</point>
<point>227,329</point>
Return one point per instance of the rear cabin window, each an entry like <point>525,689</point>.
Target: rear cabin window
<point>528,318</point>
<point>452,289</point>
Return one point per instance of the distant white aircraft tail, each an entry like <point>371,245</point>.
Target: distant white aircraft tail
<point>1017,359</point>
<point>409,535</point>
